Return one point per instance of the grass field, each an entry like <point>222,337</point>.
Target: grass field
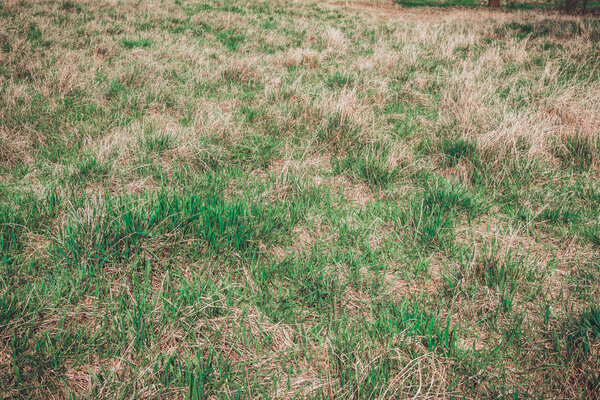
<point>286,199</point>
<point>590,8</point>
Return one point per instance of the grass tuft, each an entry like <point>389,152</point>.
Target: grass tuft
<point>131,43</point>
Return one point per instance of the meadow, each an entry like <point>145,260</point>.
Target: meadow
<point>294,199</point>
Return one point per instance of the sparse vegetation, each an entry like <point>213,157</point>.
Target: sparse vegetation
<point>268,199</point>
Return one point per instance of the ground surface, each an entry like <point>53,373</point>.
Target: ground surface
<point>254,199</point>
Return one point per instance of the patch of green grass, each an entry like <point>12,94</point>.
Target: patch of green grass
<point>159,142</point>
<point>270,23</point>
<point>88,169</point>
<point>231,39</point>
<point>144,26</point>
<point>369,164</point>
<point>406,319</point>
<point>403,129</point>
<point>70,6</point>
<point>433,214</point>
<point>4,44</point>
<point>506,275</point>
<point>457,149</point>
<point>112,230</point>
<point>262,150</point>
<point>140,42</point>
<point>587,328</point>
<point>339,132</point>
<point>577,151</point>
<point>33,33</point>
<point>339,79</point>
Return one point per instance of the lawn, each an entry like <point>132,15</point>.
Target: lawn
<point>295,199</point>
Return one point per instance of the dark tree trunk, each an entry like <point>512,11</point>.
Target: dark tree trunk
<point>495,3</point>
<point>570,6</point>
